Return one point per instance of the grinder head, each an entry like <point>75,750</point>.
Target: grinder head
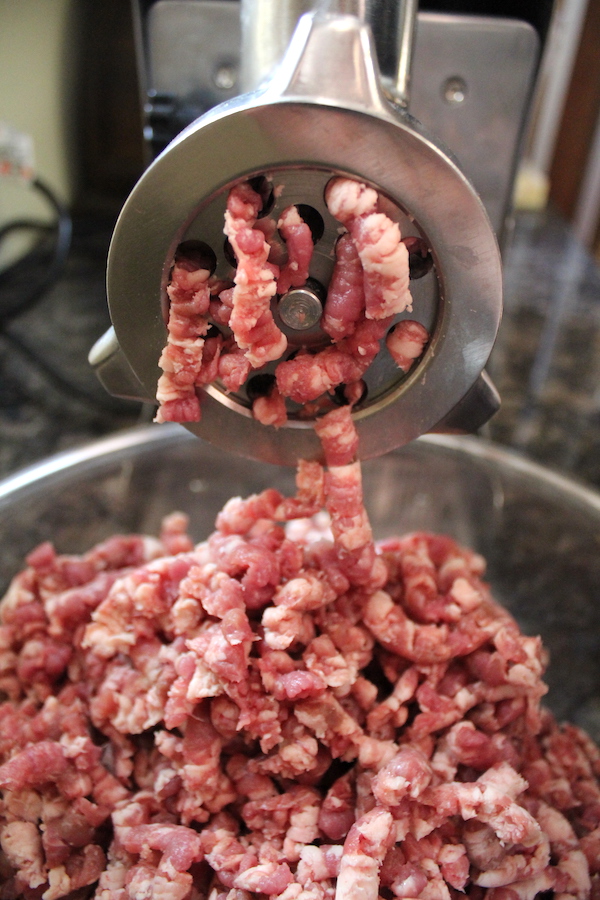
<point>322,114</point>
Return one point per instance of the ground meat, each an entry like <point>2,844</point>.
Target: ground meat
<point>406,342</point>
<point>346,295</point>
<point>270,409</point>
<point>181,359</point>
<point>377,239</point>
<point>298,238</point>
<point>368,288</point>
<point>288,711</point>
<point>307,376</point>
<point>251,319</point>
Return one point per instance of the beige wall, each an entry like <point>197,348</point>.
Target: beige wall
<point>38,65</point>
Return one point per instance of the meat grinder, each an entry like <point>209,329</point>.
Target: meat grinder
<point>327,93</point>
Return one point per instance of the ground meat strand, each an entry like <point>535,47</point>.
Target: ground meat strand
<point>406,343</point>
<point>307,376</point>
<point>181,359</point>
<point>379,246</point>
<point>345,302</point>
<point>298,238</point>
<point>270,409</point>
<point>251,319</point>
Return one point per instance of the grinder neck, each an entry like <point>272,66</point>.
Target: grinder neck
<point>268,26</point>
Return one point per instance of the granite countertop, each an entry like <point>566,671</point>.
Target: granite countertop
<point>50,399</point>
<point>546,362</point>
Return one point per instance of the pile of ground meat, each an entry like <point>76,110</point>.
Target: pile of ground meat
<point>288,709</point>
<point>284,710</point>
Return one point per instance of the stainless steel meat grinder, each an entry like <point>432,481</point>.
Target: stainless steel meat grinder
<point>327,90</point>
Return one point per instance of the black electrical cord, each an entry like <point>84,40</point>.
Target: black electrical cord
<point>61,384</point>
<point>25,225</point>
<point>26,280</point>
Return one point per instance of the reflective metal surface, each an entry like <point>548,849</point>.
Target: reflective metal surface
<point>394,29</point>
<point>490,65</point>
<point>267,28</point>
<point>494,59</point>
<point>300,309</point>
<point>201,40</point>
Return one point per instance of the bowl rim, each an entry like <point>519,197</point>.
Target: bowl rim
<point>127,441</point>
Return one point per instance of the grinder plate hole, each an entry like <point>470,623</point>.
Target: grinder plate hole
<point>420,260</point>
<point>229,254</point>
<point>197,252</point>
<point>259,386</point>
<point>355,393</point>
<point>264,188</point>
<point>313,219</point>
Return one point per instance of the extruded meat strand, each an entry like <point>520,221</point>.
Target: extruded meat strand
<point>181,359</point>
<point>298,238</point>
<point>233,367</point>
<point>307,376</point>
<point>251,319</point>
<point>364,851</point>
<point>345,304</point>
<point>348,199</point>
<point>270,409</point>
<point>379,246</point>
<point>338,437</point>
<point>384,260</point>
<point>406,343</point>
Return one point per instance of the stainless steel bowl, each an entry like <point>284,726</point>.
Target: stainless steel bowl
<point>539,531</point>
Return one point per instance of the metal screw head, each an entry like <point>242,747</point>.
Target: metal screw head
<point>300,308</point>
<point>454,91</point>
<point>225,77</point>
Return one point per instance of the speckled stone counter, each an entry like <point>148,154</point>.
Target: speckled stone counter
<point>50,399</point>
<point>546,362</point>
